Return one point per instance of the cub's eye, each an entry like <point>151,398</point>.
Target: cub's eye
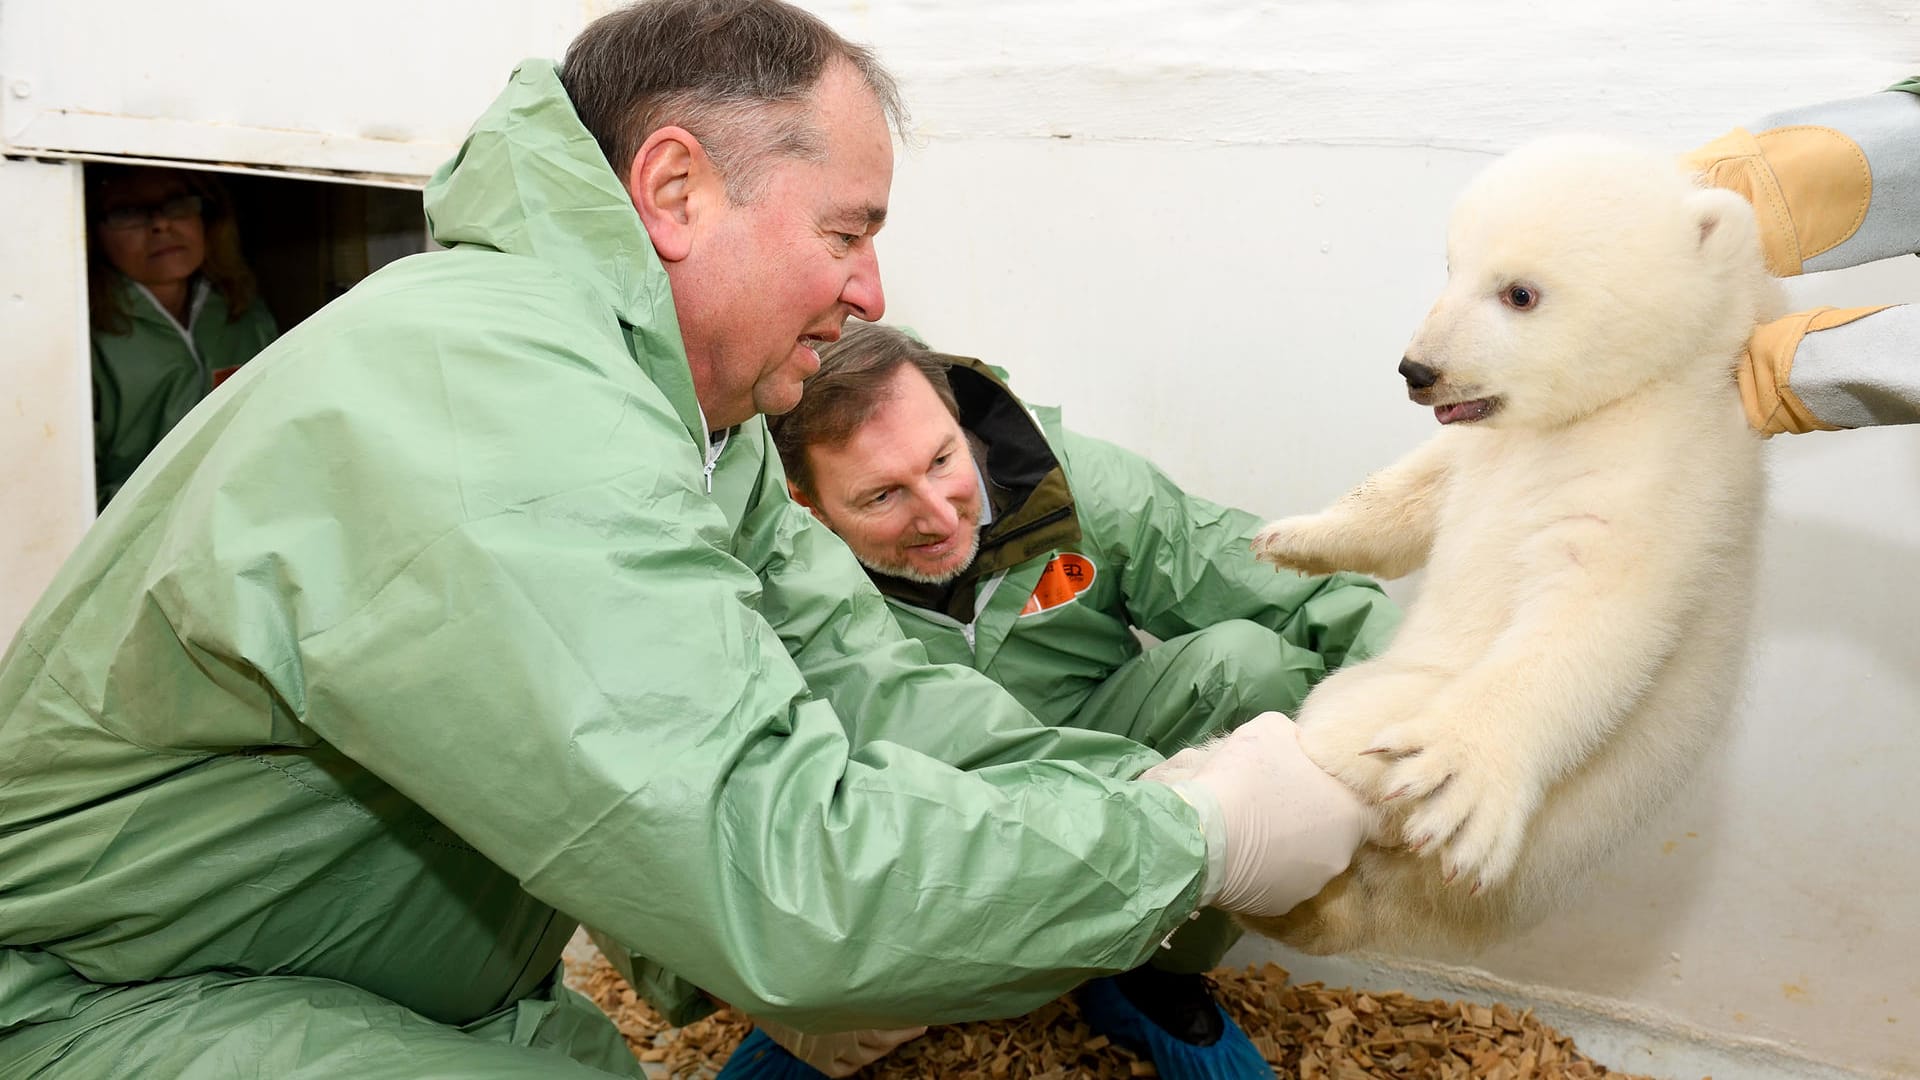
<point>1520,297</point>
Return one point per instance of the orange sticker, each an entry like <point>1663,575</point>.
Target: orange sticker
<point>1067,576</point>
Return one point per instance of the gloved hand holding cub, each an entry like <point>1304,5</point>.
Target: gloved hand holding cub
<point>1278,828</point>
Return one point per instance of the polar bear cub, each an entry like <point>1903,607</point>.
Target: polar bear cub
<point>1587,517</point>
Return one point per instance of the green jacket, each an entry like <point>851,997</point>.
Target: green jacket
<point>1150,556</point>
<point>147,379</point>
<point>435,632</point>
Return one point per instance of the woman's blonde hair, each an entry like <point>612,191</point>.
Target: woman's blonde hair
<point>223,266</point>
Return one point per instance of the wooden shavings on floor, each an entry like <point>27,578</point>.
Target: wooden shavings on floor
<point>1311,1031</point>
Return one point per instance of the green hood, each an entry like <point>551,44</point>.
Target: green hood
<point>531,180</point>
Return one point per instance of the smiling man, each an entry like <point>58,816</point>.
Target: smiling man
<point>1010,545</point>
<point>475,608</point>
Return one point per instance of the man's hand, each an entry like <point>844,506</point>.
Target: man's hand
<point>842,1053</point>
<point>1278,829</point>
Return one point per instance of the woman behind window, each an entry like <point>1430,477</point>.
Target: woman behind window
<point>173,307</point>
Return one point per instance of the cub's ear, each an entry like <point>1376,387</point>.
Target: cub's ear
<point>1725,225</point>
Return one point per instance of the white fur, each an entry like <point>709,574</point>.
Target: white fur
<point>1579,638</point>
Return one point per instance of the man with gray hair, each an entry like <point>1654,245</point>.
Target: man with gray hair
<point>475,607</point>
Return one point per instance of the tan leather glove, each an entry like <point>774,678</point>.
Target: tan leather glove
<point>1765,372</point>
<point>1809,186</point>
<point>842,1053</point>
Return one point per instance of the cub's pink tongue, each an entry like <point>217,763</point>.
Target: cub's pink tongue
<point>1477,409</point>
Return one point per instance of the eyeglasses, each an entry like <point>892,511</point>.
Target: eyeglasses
<point>178,208</point>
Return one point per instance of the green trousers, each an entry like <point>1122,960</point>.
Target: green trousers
<point>293,1028</point>
<point>1183,692</point>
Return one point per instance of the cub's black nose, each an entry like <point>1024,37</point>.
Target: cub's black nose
<point>1419,376</point>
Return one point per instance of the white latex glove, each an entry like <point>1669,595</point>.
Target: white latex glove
<point>841,1053</point>
<point>1278,829</point>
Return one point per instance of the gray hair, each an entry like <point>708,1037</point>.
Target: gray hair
<point>739,75</point>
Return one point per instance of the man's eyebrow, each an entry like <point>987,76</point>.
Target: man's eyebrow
<point>867,491</point>
<point>874,216</point>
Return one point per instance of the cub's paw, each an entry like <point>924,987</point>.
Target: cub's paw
<point>1466,797</point>
<point>1339,748</point>
<point>1297,543</point>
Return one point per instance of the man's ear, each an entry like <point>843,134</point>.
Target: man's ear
<point>667,181</point>
<point>800,497</point>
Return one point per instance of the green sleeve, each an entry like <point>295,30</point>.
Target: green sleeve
<point>1189,563</point>
<point>611,719</point>
<point>849,649</point>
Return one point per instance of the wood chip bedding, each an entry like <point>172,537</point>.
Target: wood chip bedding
<point>1308,1030</point>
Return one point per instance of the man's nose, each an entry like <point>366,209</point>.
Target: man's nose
<point>938,515</point>
<point>863,292</point>
<point>1419,376</point>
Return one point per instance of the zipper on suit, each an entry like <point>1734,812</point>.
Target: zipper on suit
<point>199,300</point>
<point>713,450</point>
<point>967,629</point>
<point>1037,523</point>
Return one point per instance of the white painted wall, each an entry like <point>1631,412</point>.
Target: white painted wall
<point>46,405</point>
<point>1208,228</point>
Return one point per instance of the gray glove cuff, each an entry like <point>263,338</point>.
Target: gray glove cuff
<point>1886,127</point>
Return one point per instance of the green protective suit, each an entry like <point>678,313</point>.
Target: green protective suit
<point>1090,541</point>
<point>147,379</point>
<point>441,628</point>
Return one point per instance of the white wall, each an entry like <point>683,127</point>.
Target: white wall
<point>46,443</point>
<point>370,86</point>
<point>1208,228</point>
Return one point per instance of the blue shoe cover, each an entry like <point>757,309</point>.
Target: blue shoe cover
<point>1230,1057</point>
<point>758,1057</point>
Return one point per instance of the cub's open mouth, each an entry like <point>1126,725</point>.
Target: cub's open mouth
<point>1466,412</point>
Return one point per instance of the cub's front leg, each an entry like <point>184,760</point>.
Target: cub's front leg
<point>1470,770</point>
<point>1343,716</point>
<point>1384,527</point>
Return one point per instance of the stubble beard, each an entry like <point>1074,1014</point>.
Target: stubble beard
<point>908,573</point>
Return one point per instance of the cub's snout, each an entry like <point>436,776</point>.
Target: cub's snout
<point>1419,376</point>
